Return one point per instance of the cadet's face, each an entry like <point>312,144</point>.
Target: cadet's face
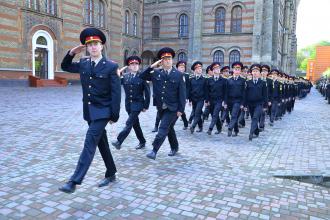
<point>256,73</point>
<point>94,48</point>
<point>198,70</point>
<point>210,73</point>
<point>134,67</point>
<point>264,72</point>
<point>167,62</point>
<point>237,70</point>
<point>216,71</point>
<point>225,72</point>
<point>182,68</point>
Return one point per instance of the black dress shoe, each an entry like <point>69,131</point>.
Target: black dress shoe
<point>192,130</point>
<point>250,137</point>
<point>116,144</point>
<point>107,180</point>
<point>172,153</point>
<point>217,132</point>
<point>209,132</point>
<point>152,155</point>
<point>230,132</point>
<point>255,135</point>
<point>199,130</point>
<point>185,127</point>
<point>155,129</point>
<point>140,146</point>
<point>271,124</point>
<point>68,187</point>
<point>235,134</point>
<point>261,129</point>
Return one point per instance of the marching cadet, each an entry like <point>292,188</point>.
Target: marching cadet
<point>328,90</point>
<point>101,103</point>
<point>197,95</point>
<point>241,117</point>
<point>170,99</point>
<point>255,98</point>
<point>207,111</point>
<point>265,69</point>
<point>137,100</point>
<point>275,96</point>
<point>226,74</point>
<point>235,97</point>
<point>181,66</point>
<point>216,98</point>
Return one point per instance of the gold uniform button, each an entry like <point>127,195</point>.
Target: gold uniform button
<point>164,87</point>
<point>90,77</point>
<point>89,103</point>
<point>89,86</point>
<point>89,94</point>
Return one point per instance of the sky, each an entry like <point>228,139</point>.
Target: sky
<point>313,22</point>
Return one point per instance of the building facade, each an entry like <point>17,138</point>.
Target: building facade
<point>316,67</point>
<point>36,34</point>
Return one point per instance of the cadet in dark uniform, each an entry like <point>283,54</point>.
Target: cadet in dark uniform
<point>275,96</point>
<point>197,95</point>
<point>265,69</point>
<point>235,94</point>
<point>101,103</point>
<point>181,66</point>
<point>226,74</point>
<point>170,98</point>
<point>207,111</point>
<point>255,98</point>
<point>216,98</point>
<point>137,99</point>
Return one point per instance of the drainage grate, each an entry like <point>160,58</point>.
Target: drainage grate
<point>319,180</point>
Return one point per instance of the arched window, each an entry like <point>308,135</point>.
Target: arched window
<point>220,18</point>
<point>183,25</point>
<point>236,19</point>
<point>101,14</point>
<point>126,22</point>
<point>155,23</point>
<point>182,56</point>
<point>89,11</point>
<point>234,56</point>
<point>218,56</point>
<point>135,24</point>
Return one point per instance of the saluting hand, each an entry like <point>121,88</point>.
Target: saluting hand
<point>155,64</point>
<point>179,114</point>
<point>120,71</point>
<point>77,49</point>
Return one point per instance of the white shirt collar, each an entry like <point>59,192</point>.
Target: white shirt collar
<point>97,60</point>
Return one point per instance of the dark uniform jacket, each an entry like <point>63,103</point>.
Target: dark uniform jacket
<point>137,93</point>
<point>101,88</point>
<point>217,89</point>
<point>256,94</point>
<point>198,89</point>
<point>168,89</point>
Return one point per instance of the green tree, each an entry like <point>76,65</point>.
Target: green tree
<point>308,52</point>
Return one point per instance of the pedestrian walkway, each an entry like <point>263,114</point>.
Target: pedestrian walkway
<point>213,177</point>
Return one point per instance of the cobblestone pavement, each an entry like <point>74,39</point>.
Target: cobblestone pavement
<point>213,177</point>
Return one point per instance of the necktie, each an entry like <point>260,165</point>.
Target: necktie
<point>255,81</point>
<point>92,67</point>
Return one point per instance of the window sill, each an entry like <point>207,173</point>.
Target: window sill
<point>41,13</point>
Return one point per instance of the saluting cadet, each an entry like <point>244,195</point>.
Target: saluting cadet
<point>101,103</point>
<point>170,99</point>
<point>255,98</point>
<point>217,97</point>
<point>137,100</point>
<point>197,95</point>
